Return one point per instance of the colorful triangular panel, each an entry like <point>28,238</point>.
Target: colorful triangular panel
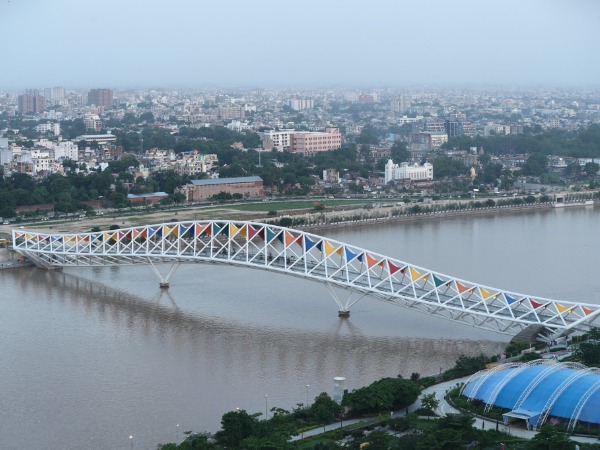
<point>308,243</point>
<point>535,305</point>
<point>438,281</point>
<point>462,288</point>
<point>485,294</point>
<point>329,249</point>
<point>415,274</point>
<point>289,239</point>
<point>587,311</point>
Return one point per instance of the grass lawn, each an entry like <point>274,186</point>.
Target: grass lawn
<point>310,443</point>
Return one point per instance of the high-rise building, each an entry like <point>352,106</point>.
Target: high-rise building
<point>5,152</point>
<point>100,97</point>
<point>54,94</point>
<point>28,103</point>
<point>400,104</point>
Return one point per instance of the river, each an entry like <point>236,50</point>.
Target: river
<point>91,356</point>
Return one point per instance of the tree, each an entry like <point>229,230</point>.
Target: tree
<point>536,164</point>
<point>550,439</point>
<point>325,409</point>
<point>399,152</point>
<point>588,353</point>
<point>446,167</point>
<point>368,135</point>
<point>285,222</point>
<point>591,169</point>
<point>235,427</point>
<point>378,440</point>
<point>430,402</point>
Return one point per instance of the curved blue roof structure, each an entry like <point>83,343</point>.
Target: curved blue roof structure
<point>569,392</point>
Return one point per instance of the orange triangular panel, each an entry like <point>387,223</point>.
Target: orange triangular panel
<point>587,311</point>
<point>289,239</point>
<point>201,229</point>
<point>371,261</point>
<point>461,287</point>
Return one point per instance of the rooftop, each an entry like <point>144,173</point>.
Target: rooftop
<point>214,181</point>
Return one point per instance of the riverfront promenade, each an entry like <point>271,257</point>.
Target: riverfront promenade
<point>443,409</point>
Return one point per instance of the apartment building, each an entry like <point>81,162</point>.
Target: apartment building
<point>309,143</point>
<point>100,97</point>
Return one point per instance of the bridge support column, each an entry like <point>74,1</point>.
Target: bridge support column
<point>344,309</point>
<point>163,282</point>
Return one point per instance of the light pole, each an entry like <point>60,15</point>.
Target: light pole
<point>307,395</point>
<point>177,434</point>
<point>266,407</point>
<point>131,441</point>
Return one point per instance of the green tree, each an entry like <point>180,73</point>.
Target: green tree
<point>549,438</point>
<point>235,427</point>
<point>325,409</point>
<point>378,440</point>
<point>446,167</point>
<point>430,402</point>
<point>591,169</point>
<point>588,353</point>
<point>536,164</point>
<point>399,152</point>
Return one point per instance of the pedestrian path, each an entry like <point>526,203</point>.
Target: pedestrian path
<point>440,390</point>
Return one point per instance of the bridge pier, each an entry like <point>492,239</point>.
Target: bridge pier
<point>163,282</point>
<point>344,308</point>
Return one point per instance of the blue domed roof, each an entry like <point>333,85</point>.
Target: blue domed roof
<point>541,388</point>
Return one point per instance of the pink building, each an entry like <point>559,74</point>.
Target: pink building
<point>312,142</point>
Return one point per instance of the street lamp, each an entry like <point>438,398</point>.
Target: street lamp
<point>266,407</point>
<point>131,441</point>
<point>177,434</point>
<point>307,395</point>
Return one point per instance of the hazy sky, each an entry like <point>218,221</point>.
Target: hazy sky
<point>151,43</point>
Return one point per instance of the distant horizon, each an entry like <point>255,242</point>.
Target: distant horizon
<point>317,86</point>
<point>190,44</point>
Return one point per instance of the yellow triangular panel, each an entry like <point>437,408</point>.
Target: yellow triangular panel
<point>415,275</point>
<point>485,294</point>
<point>561,308</point>
<point>329,249</point>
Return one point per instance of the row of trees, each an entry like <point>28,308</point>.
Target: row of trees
<point>582,143</point>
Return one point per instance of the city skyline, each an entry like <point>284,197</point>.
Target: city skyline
<point>192,44</point>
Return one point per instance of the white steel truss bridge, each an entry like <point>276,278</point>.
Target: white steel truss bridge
<point>302,254</point>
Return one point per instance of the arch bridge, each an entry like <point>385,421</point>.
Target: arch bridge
<point>293,252</point>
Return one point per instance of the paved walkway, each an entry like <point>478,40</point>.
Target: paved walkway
<point>444,408</point>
